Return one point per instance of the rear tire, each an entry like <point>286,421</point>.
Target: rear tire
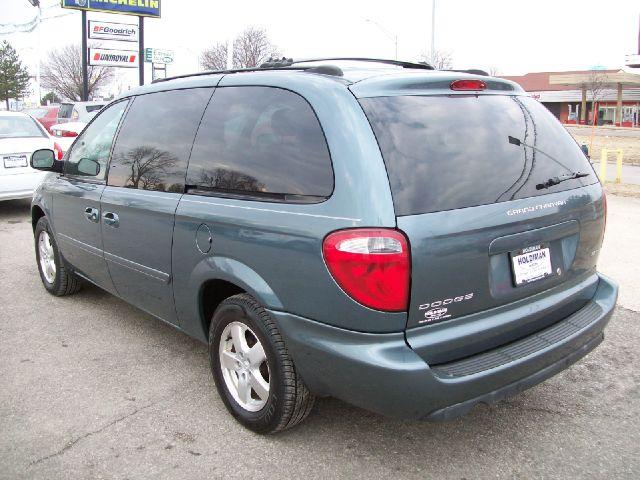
<point>55,276</point>
<point>240,328</point>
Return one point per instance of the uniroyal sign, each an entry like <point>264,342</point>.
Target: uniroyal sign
<point>113,31</point>
<point>105,57</point>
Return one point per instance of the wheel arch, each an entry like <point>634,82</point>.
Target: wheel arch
<point>221,278</point>
<point>36,214</point>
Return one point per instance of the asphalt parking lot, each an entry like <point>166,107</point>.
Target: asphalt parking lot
<point>91,387</point>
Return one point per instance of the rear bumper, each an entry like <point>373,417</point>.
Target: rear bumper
<point>381,373</point>
<point>21,185</point>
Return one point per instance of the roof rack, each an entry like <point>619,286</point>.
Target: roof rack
<point>397,63</point>
<point>233,70</point>
<point>290,64</point>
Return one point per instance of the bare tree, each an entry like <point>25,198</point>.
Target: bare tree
<point>596,83</point>
<point>215,58</point>
<point>252,47</point>
<point>493,71</point>
<point>440,60</point>
<point>62,73</point>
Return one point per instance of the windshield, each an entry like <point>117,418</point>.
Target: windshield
<point>19,127</point>
<point>448,152</point>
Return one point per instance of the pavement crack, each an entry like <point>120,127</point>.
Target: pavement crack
<point>74,441</point>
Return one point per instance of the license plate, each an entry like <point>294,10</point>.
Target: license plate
<point>14,161</point>
<point>531,264</point>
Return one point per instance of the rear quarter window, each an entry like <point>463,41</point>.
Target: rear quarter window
<point>449,152</point>
<point>261,142</point>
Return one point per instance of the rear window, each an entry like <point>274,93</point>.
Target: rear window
<point>261,142</point>
<point>36,112</point>
<point>65,110</point>
<point>19,127</point>
<point>448,152</point>
<point>93,108</point>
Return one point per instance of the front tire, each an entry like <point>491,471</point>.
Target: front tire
<point>253,371</point>
<point>55,276</point>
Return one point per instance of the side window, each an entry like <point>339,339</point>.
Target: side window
<point>153,145</point>
<point>261,141</point>
<point>90,153</point>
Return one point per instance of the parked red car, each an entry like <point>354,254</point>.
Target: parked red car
<point>47,116</point>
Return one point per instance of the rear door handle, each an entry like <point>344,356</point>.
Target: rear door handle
<point>111,219</point>
<point>92,214</point>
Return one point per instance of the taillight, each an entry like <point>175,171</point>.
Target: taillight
<point>468,85</point>
<point>68,133</point>
<point>58,151</point>
<point>371,265</point>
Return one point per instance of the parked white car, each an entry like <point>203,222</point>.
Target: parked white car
<point>66,133</point>
<point>20,136</point>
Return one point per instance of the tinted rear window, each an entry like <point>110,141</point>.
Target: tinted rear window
<point>93,108</point>
<point>448,152</point>
<point>19,127</point>
<point>263,142</point>
<point>65,110</point>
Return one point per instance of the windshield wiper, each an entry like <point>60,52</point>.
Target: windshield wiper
<point>562,178</point>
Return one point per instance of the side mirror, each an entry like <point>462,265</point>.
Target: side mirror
<point>45,160</point>
<point>87,166</point>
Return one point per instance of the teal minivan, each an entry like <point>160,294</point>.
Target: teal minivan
<point>410,241</point>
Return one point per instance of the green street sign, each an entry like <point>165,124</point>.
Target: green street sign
<point>156,55</point>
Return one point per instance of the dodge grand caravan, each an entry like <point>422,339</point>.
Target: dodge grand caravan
<point>411,241</point>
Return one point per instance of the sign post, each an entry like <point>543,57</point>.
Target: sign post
<point>139,8</point>
<point>85,76</point>
<point>141,50</point>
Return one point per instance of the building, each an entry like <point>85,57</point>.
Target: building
<point>569,95</point>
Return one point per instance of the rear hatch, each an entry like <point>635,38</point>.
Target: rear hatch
<point>20,136</point>
<point>499,204</point>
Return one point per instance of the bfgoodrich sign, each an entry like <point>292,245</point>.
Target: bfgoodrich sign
<point>145,8</point>
<point>113,31</point>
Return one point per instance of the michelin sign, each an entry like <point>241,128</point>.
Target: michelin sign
<point>145,8</point>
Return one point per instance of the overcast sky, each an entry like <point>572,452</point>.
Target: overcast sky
<point>512,36</point>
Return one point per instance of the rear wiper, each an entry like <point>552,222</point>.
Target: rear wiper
<point>562,178</point>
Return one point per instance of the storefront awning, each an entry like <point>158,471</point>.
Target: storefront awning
<point>606,79</point>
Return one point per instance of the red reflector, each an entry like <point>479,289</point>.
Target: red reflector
<point>468,85</point>
<point>58,151</point>
<point>604,204</point>
<point>371,265</point>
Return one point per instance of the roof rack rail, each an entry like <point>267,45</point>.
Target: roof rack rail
<point>233,70</point>
<point>290,64</point>
<point>398,63</point>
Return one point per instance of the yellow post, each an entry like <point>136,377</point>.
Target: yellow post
<point>603,165</point>
<point>619,169</point>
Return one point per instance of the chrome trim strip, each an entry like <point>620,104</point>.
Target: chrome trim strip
<point>244,207</point>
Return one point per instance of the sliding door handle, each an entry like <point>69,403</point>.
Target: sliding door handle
<point>92,214</point>
<point>111,219</point>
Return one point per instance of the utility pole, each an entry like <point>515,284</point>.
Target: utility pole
<point>433,29</point>
<point>141,51</point>
<point>85,74</point>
